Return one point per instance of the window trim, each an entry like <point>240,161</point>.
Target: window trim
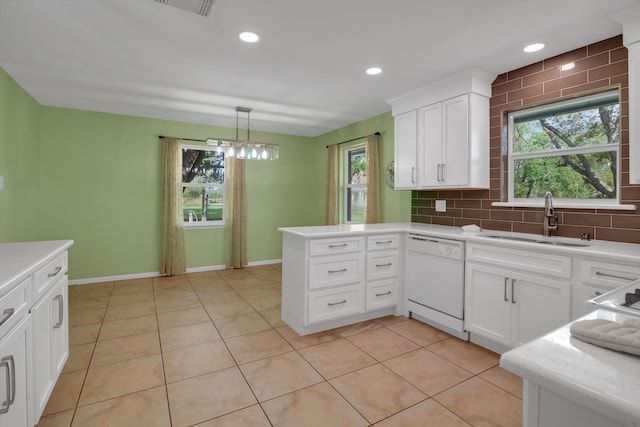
<point>559,202</point>
<point>346,185</point>
<point>214,223</point>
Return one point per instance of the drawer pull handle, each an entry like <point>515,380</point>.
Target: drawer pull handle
<point>331,304</point>
<point>343,245</point>
<point>506,279</point>
<point>613,276</point>
<point>384,265</point>
<point>384,242</point>
<point>60,311</point>
<point>337,271</point>
<point>6,314</point>
<point>513,295</point>
<point>11,383</point>
<point>383,294</point>
<point>55,272</point>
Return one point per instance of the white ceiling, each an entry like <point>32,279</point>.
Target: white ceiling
<point>306,75</point>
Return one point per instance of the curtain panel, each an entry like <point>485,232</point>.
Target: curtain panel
<point>235,233</point>
<point>372,170</point>
<point>172,236</point>
<point>331,195</point>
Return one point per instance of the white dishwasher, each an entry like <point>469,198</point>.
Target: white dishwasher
<point>435,282</point>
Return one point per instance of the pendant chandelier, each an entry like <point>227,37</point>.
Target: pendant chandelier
<point>244,149</point>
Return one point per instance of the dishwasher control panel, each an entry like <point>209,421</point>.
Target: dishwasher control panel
<point>436,246</point>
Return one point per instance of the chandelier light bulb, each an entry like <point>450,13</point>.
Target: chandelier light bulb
<point>254,153</point>
<point>265,154</point>
<point>231,152</point>
<point>242,153</point>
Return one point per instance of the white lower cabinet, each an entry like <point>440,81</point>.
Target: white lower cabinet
<point>34,328</point>
<point>15,362</point>
<point>50,342</point>
<point>510,307</point>
<point>333,282</point>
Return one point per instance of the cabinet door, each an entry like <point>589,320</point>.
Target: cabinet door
<point>60,328</point>
<point>50,342</point>
<point>405,150</point>
<point>42,314</point>
<point>14,359</point>
<point>488,303</point>
<point>540,306</point>
<point>430,145</point>
<point>455,154</point>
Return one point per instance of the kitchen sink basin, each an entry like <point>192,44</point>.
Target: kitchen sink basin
<point>533,240</point>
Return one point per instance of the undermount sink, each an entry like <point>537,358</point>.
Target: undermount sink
<point>533,240</point>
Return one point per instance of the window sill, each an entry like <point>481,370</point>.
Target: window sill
<point>199,225</point>
<point>561,205</point>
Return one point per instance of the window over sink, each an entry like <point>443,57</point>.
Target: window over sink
<point>570,148</point>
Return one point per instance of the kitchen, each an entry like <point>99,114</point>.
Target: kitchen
<point>123,190</point>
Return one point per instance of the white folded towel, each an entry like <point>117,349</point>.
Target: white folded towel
<point>605,333</point>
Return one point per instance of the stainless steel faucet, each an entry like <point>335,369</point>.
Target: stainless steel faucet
<point>550,218</point>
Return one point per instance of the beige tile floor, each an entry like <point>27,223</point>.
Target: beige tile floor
<point>209,349</point>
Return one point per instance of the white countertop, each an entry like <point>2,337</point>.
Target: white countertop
<point>604,380</point>
<point>19,259</point>
<point>596,248</point>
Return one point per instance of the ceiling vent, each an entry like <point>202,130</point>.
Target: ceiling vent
<point>199,7</point>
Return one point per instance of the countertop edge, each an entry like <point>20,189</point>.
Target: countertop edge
<point>28,266</point>
<point>520,361</point>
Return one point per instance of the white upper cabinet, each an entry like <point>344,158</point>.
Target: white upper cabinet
<point>405,150</point>
<point>442,134</point>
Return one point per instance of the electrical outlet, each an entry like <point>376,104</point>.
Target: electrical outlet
<point>441,205</point>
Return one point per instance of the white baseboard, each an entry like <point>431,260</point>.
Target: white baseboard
<point>157,273</point>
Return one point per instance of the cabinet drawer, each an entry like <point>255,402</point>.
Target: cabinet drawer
<point>381,265</point>
<point>47,275</point>
<point>14,305</point>
<point>335,303</point>
<point>606,275</point>
<point>335,271</point>
<point>381,294</point>
<point>530,261</point>
<point>386,241</point>
<point>335,246</point>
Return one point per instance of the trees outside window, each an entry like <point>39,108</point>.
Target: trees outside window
<point>203,186</point>
<point>570,148</point>
<point>355,182</point>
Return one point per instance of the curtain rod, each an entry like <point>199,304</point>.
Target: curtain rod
<point>353,139</point>
<point>184,139</point>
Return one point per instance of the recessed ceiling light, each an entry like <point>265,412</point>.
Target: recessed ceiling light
<point>533,47</point>
<point>372,71</point>
<point>249,37</point>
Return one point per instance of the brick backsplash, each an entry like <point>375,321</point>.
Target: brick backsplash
<point>599,65</point>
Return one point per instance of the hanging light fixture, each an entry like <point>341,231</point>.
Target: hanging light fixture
<point>245,149</point>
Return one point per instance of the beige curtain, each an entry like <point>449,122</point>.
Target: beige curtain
<point>331,201</point>
<point>372,208</point>
<point>235,235</point>
<point>172,238</point>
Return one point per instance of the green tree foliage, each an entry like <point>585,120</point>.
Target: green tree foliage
<point>571,176</point>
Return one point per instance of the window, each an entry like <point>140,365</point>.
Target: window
<point>202,186</point>
<point>355,184</point>
<point>570,148</point>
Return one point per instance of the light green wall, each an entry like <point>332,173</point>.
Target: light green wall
<point>95,178</point>
<point>395,204</point>
<point>19,158</point>
<point>102,188</point>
